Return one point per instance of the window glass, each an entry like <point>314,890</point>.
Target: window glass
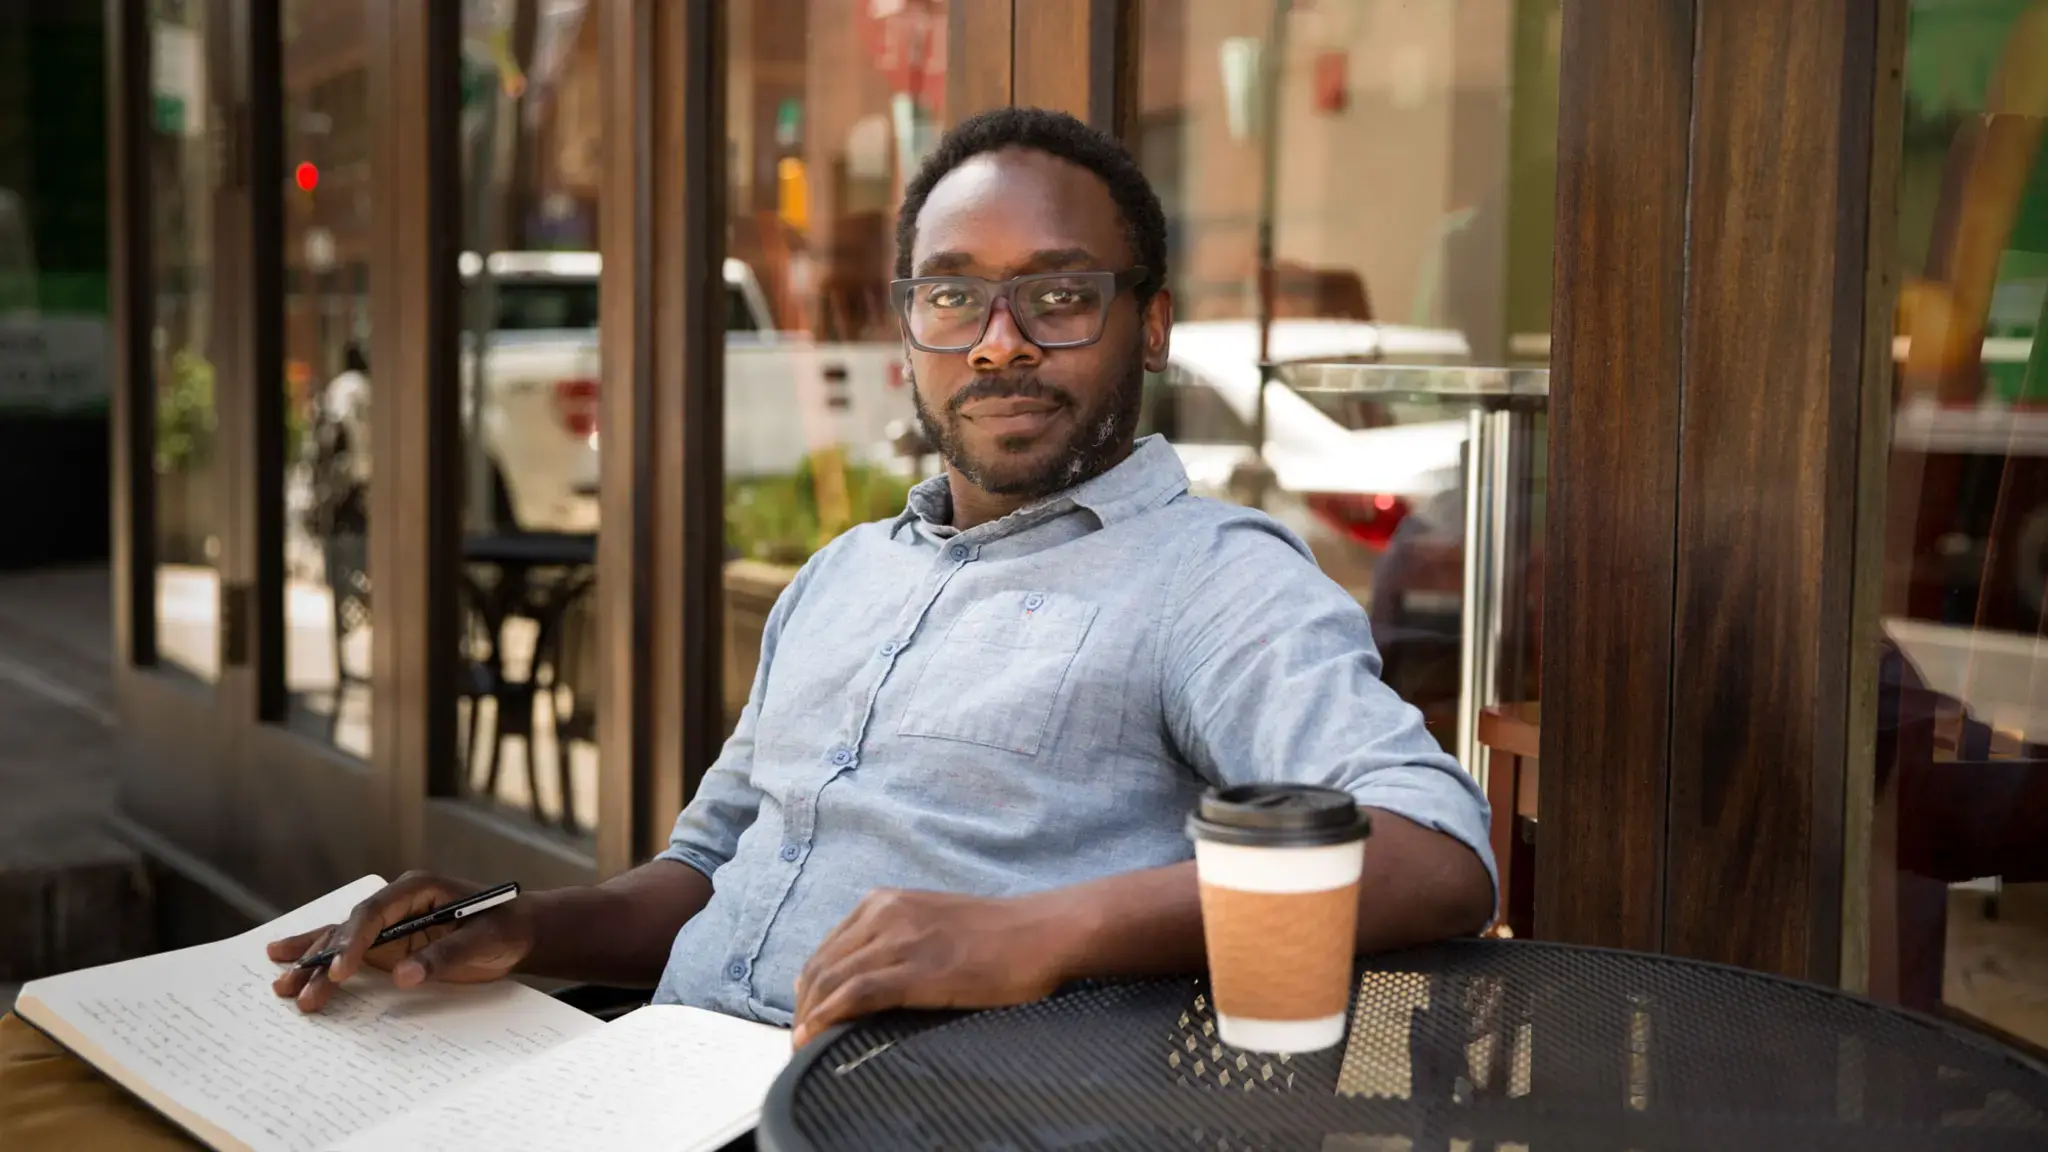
<point>531,139</point>
<point>327,373</point>
<point>1403,157</point>
<point>1959,919</point>
<point>183,179</point>
<point>831,105</point>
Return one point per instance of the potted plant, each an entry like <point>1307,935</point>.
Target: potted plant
<point>772,525</point>
<point>185,426</point>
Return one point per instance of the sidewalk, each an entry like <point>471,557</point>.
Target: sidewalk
<point>58,755</point>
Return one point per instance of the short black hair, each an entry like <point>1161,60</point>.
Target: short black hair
<point>1056,134</point>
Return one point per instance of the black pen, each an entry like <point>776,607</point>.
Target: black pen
<point>445,914</point>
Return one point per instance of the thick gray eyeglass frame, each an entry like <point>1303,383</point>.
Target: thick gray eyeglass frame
<point>1107,285</point>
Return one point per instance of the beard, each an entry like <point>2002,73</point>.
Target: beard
<point>1095,438</point>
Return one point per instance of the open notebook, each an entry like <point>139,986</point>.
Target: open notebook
<point>198,1034</point>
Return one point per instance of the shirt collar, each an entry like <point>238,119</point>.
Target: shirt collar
<point>1149,476</point>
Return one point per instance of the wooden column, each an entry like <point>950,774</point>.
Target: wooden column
<point>978,46</point>
<point>661,552</point>
<point>131,393</point>
<point>1079,56</point>
<point>415,510</point>
<point>1617,323</point>
<point>1768,445</point>
<point>1712,298</point>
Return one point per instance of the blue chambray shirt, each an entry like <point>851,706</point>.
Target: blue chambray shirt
<point>1031,703</point>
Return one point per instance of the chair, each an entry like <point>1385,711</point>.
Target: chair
<point>572,693</point>
<point>551,603</point>
<point>1940,822</point>
<point>1513,736</point>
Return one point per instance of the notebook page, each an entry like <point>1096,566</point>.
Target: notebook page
<point>664,1077</point>
<point>202,1029</point>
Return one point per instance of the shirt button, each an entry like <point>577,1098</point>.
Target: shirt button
<point>842,756</point>
<point>1034,602</point>
<point>959,552</point>
<point>737,970</point>
<point>891,648</point>
<point>789,853</point>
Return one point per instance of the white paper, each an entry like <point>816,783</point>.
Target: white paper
<point>663,1077</point>
<point>203,1027</point>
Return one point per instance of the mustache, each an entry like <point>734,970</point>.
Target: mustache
<point>1008,385</point>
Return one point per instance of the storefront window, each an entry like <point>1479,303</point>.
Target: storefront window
<point>831,106</point>
<point>1359,198</point>
<point>1401,157</point>
<point>183,176</point>
<point>1959,913</point>
<point>529,375</point>
<point>327,192</point>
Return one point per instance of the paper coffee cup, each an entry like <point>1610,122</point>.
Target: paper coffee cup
<point>1279,867</point>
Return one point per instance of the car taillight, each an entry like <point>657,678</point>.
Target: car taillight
<point>1367,520</point>
<point>576,407</point>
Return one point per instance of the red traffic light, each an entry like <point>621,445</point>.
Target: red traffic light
<point>307,177</point>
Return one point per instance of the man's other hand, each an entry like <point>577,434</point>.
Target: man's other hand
<point>931,950</point>
<point>471,951</point>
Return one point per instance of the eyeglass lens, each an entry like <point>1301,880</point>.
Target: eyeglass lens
<point>1051,310</point>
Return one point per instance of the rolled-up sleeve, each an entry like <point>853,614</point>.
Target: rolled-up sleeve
<point>708,829</point>
<point>1271,675</point>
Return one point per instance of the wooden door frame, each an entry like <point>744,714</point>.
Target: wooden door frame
<point>1078,56</point>
<point>661,562</point>
<point>308,809</point>
<point>182,792</point>
<point>416,433</point>
<point>1710,423</point>
<point>211,783</point>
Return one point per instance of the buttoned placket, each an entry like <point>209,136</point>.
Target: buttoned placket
<point>799,818</point>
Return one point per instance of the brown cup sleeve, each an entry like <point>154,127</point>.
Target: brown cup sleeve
<point>1280,955</point>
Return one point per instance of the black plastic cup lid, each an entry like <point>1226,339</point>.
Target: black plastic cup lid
<point>1279,816</point>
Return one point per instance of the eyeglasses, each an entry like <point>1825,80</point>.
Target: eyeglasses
<point>1052,309</point>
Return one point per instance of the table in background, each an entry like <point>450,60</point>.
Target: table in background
<point>540,577</point>
<point>1489,1043</point>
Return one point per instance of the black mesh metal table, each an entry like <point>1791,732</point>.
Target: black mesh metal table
<point>1479,1044</point>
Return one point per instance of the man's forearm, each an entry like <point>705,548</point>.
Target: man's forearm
<point>1419,885</point>
<point>618,932</point>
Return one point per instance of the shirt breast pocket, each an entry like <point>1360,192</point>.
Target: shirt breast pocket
<point>997,674</point>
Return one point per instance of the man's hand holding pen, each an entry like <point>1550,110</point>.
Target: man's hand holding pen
<point>466,950</point>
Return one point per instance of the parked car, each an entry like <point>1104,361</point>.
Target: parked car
<point>1375,488</point>
<point>1342,489</point>
<point>540,380</point>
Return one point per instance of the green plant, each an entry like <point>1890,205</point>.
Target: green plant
<point>184,413</point>
<point>775,518</point>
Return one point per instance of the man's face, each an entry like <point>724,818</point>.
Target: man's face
<point>1011,417</point>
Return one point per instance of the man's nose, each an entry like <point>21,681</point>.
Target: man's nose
<point>1003,344</point>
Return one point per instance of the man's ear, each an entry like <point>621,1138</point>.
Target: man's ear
<point>1158,329</point>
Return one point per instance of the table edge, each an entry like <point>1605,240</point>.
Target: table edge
<point>777,1131</point>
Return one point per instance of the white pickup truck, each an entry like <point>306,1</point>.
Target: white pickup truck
<point>784,393</point>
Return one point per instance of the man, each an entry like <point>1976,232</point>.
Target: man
<point>962,776</point>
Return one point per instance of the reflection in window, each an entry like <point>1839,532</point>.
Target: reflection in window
<point>1408,178</point>
<point>327,375</point>
<point>529,377</point>
<point>182,180</point>
<point>831,107</point>
<point>1959,915</point>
